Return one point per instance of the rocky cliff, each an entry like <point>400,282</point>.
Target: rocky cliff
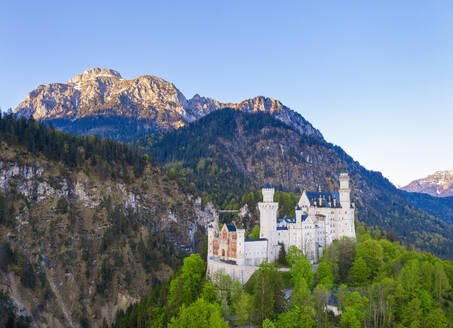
<point>76,247</point>
<point>101,102</point>
<point>439,184</point>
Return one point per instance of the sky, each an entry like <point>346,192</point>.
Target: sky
<point>375,77</point>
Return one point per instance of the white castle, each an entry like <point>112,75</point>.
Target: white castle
<point>320,218</point>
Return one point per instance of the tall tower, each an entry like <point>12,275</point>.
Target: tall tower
<point>268,213</point>
<point>345,191</point>
<point>268,220</point>
<point>240,246</point>
<point>211,235</point>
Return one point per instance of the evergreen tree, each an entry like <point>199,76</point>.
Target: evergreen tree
<point>282,256</point>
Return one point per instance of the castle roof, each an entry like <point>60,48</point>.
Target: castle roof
<point>231,227</point>
<point>268,186</point>
<point>282,228</point>
<point>324,198</point>
<point>287,219</point>
<point>304,217</point>
<point>254,239</point>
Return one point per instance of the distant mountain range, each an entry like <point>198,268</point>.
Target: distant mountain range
<point>439,184</point>
<point>101,102</point>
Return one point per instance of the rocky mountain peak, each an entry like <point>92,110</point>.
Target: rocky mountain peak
<point>438,184</point>
<point>86,102</point>
<point>93,73</point>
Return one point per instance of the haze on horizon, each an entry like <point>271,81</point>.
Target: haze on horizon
<point>374,78</point>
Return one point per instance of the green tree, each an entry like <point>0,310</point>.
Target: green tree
<point>300,295</point>
<point>235,295</point>
<point>410,277</point>
<point>358,303</point>
<point>349,318</point>
<point>341,255</point>
<point>324,274</point>
<point>244,309</point>
<point>209,293</point>
<point>297,317</point>
<point>436,319</point>
<point>360,273</point>
<point>373,254</point>
<point>267,323</point>
<point>282,256</point>
<point>192,275</point>
<point>255,233</point>
<point>199,314</point>
<point>269,297</point>
<point>321,296</point>
<point>412,314</point>
<point>302,269</point>
<point>294,254</point>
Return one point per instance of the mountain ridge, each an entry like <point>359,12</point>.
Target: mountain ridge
<point>149,102</point>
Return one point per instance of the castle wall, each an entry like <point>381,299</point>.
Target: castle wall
<point>255,252</point>
<point>241,273</point>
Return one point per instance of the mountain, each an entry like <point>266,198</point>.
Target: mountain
<point>87,226</point>
<point>101,102</point>
<point>439,184</point>
<point>229,154</point>
<point>226,153</point>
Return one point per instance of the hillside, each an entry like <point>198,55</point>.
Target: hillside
<point>101,102</point>
<point>439,184</point>
<point>228,154</point>
<point>87,226</point>
<point>367,282</point>
<point>441,207</point>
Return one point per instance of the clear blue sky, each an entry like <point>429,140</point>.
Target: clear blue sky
<point>376,77</point>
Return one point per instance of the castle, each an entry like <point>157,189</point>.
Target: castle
<point>320,218</point>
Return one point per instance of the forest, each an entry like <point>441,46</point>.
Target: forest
<point>105,156</point>
<point>368,282</point>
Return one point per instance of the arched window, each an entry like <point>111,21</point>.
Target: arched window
<point>223,252</point>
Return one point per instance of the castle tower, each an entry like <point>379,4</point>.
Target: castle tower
<point>345,191</point>
<point>240,246</point>
<point>211,235</point>
<point>268,220</point>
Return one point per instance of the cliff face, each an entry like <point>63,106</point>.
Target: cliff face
<point>92,245</point>
<point>439,184</point>
<point>101,102</point>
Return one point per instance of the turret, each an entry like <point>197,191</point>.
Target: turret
<point>268,193</point>
<point>345,191</point>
